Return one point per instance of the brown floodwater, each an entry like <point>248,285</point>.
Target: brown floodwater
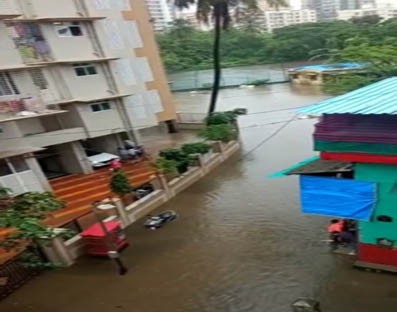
<point>241,243</point>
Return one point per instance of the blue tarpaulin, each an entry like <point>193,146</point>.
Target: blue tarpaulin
<point>343,198</point>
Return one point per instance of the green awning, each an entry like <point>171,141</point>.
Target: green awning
<point>284,173</point>
<point>315,166</point>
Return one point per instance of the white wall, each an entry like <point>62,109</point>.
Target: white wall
<point>30,126</point>
<point>72,117</point>
<point>102,122</point>
<point>8,130</point>
<point>85,87</point>
<point>9,55</point>
<point>46,8</point>
<point>68,48</point>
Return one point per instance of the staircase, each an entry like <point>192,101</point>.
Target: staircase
<point>80,191</point>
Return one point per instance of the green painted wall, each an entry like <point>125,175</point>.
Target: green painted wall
<point>361,147</point>
<point>386,177</point>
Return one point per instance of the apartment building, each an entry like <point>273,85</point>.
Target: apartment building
<point>385,13</point>
<point>325,9</point>
<point>74,74</point>
<point>160,13</point>
<point>282,18</point>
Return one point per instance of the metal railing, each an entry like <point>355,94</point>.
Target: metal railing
<point>14,275</point>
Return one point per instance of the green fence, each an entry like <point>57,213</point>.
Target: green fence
<point>231,77</point>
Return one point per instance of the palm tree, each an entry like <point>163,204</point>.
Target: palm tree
<point>219,10</point>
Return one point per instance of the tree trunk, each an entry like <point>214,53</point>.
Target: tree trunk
<point>216,56</point>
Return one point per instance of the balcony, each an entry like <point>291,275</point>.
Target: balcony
<point>18,109</point>
<point>29,41</point>
<point>55,137</point>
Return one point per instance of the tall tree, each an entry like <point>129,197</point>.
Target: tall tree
<point>220,12</point>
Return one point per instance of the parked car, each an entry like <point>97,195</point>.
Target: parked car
<point>157,221</point>
<point>142,191</point>
<point>100,159</point>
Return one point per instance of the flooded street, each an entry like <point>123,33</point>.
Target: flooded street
<point>240,244</point>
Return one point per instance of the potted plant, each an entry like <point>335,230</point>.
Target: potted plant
<point>166,167</point>
<point>120,185</point>
<point>181,159</point>
<point>222,132</point>
<point>196,148</point>
<point>193,150</point>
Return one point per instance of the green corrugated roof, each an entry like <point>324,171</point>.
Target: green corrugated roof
<point>377,98</point>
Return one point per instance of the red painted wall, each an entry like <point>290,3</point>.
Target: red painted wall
<point>376,254</point>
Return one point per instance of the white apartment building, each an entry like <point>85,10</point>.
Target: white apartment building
<point>73,75</point>
<point>160,13</point>
<point>385,13</point>
<point>282,18</point>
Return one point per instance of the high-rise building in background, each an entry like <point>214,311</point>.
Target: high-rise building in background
<point>349,5</point>
<point>74,75</point>
<point>325,9</point>
<point>160,12</point>
<point>367,4</point>
<point>281,18</point>
<point>264,5</point>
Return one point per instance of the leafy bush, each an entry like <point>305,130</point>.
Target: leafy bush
<point>35,204</point>
<point>119,183</point>
<point>228,117</point>
<point>25,215</point>
<point>196,148</point>
<point>165,165</point>
<point>177,155</point>
<point>173,154</point>
<point>224,133</point>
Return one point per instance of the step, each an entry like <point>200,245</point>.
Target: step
<point>90,177</point>
<point>63,193</point>
<point>88,200</point>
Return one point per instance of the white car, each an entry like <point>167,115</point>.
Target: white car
<point>100,159</point>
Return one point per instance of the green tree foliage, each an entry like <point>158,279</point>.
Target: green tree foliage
<point>120,184</point>
<point>24,217</point>
<point>363,40</point>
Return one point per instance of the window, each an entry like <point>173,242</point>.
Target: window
<point>84,69</point>
<point>97,107</point>
<point>4,169</point>
<point>19,164</point>
<point>7,85</point>
<point>69,29</point>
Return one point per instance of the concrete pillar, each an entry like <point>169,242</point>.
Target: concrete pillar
<point>125,221</point>
<point>56,251</point>
<point>171,126</point>
<point>81,156</point>
<point>155,181</point>
<point>74,158</point>
<point>164,185</point>
<point>33,165</point>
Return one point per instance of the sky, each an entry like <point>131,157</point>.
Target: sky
<point>295,4</point>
